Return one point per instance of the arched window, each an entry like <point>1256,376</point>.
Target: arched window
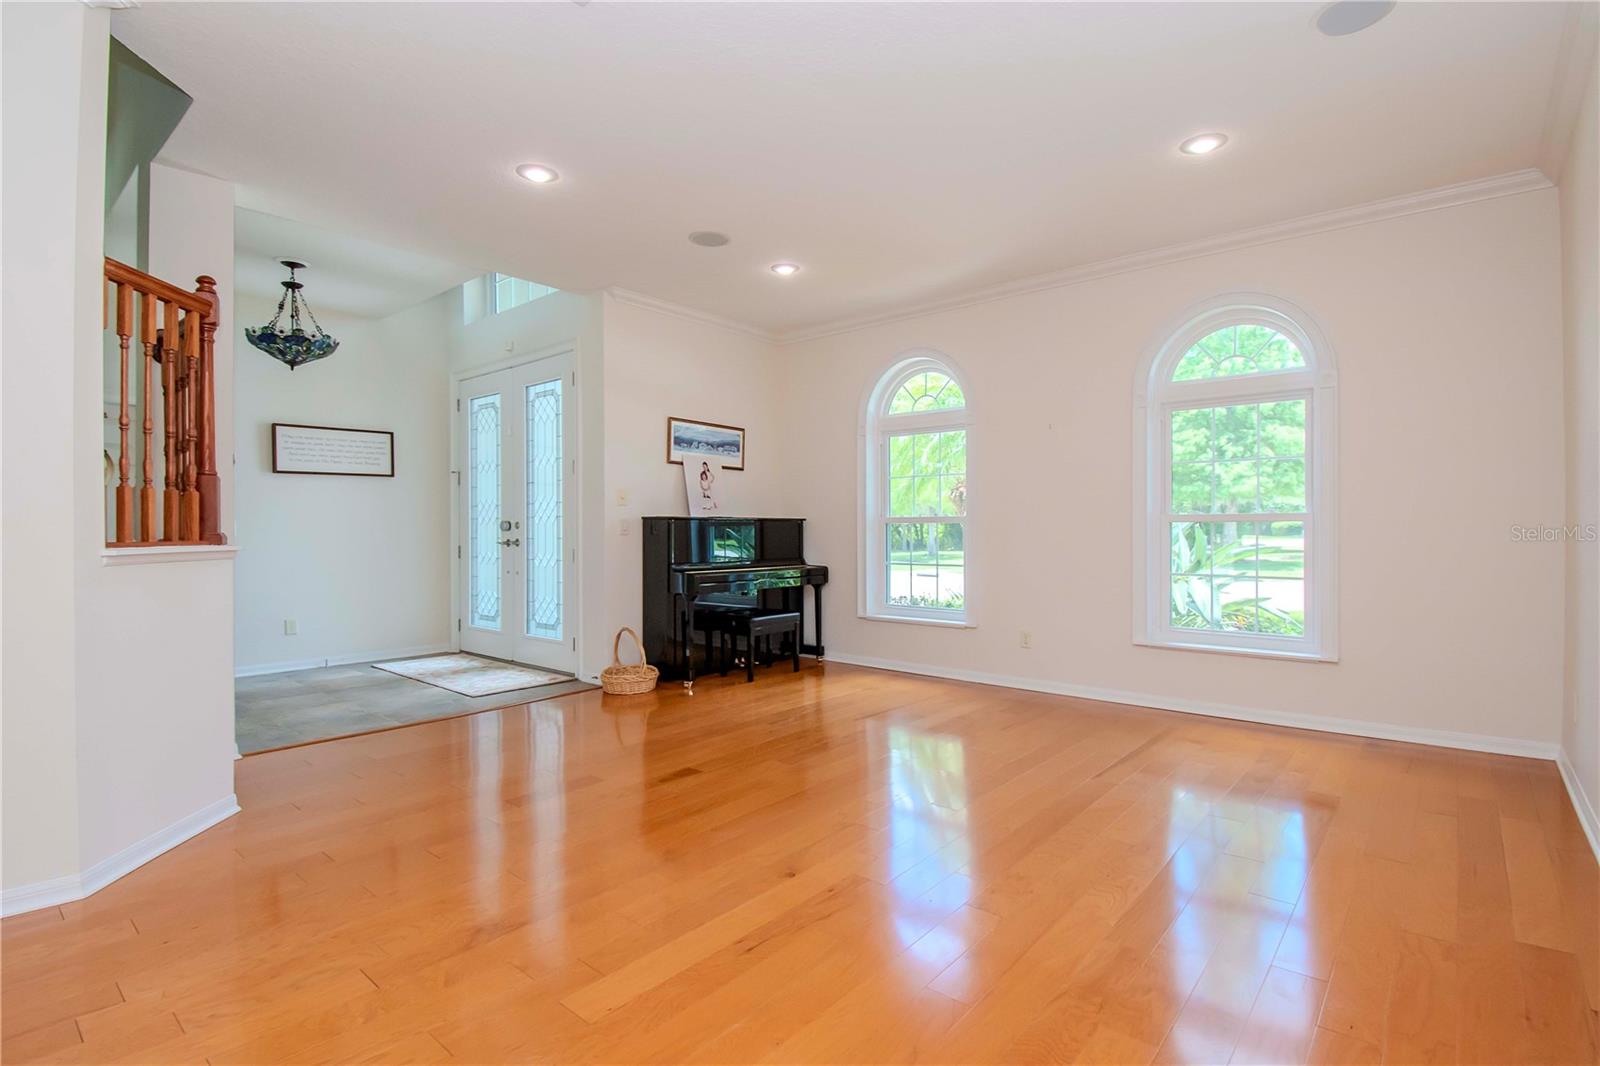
<point>1235,419</point>
<point>915,460</point>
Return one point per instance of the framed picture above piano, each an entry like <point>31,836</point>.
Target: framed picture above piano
<point>688,438</point>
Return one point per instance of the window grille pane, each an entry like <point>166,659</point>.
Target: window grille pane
<point>1233,432</point>
<point>1282,549</point>
<point>928,390</point>
<point>1283,485</point>
<point>543,539</point>
<point>483,504</point>
<point>927,474</point>
<point>1236,488</point>
<point>1236,350</point>
<point>1283,607</point>
<point>925,565</point>
<point>1191,602</point>
<point>1238,459</point>
<point>1191,436</point>
<point>1283,428</point>
<point>1238,576</point>
<point>1192,488</point>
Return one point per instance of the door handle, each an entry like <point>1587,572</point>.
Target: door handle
<point>511,543</point>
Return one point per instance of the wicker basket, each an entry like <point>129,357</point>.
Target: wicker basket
<point>631,680</point>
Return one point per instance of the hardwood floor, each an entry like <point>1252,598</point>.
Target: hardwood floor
<point>841,866</point>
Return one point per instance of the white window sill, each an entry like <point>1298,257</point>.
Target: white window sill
<point>1230,649</point>
<point>167,553</point>
<point>942,623</point>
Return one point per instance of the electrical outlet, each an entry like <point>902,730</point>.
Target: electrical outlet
<point>624,528</point>
<point>1027,639</point>
<point>290,627</point>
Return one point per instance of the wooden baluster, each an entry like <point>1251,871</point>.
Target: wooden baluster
<point>124,505</point>
<point>183,417</point>
<point>189,514</point>
<point>169,397</point>
<point>147,492</point>
<point>210,485</point>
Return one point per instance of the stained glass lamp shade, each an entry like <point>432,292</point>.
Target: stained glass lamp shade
<point>293,346</point>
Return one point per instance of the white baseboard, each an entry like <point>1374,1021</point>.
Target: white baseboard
<point>279,667</point>
<point>72,887</point>
<point>341,660</point>
<point>39,895</point>
<point>1581,803</point>
<point>1439,738</point>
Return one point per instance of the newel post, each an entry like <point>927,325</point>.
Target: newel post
<point>210,485</point>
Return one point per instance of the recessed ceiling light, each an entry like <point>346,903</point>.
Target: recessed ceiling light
<point>538,173</point>
<point>784,270</point>
<point>1203,144</point>
<point>1345,17</point>
<point>707,238</point>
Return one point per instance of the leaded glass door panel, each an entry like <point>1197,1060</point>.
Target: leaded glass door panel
<point>517,531</point>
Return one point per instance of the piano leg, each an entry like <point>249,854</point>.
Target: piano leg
<point>688,650</point>
<point>816,604</point>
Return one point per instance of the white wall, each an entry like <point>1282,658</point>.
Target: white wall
<point>46,94</point>
<point>359,564</point>
<point>1580,234</point>
<point>152,753</point>
<point>659,366</point>
<point>118,698</point>
<point>1447,330</point>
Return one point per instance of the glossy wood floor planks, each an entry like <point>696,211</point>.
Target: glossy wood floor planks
<point>839,866</point>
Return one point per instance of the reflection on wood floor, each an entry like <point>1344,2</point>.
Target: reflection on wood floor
<point>841,866</point>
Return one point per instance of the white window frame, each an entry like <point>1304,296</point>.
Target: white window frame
<point>877,426</point>
<point>491,283</point>
<point>1156,396</point>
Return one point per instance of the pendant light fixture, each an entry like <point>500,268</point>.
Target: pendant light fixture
<point>294,346</point>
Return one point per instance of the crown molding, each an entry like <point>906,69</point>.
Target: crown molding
<point>689,314</point>
<point>1466,192</point>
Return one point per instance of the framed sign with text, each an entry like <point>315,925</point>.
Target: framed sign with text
<point>298,449</point>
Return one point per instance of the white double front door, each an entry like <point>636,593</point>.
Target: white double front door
<point>518,518</point>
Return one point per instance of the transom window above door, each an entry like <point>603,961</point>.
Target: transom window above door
<point>506,292</point>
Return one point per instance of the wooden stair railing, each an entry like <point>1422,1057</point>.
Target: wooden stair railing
<point>177,331</point>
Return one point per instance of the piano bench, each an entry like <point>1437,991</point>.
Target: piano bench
<point>762,625</point>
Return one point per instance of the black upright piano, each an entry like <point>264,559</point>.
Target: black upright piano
<point>690,563</point>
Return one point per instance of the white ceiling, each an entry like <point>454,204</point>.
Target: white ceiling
<point>344,273</point>
<point>900,152</point>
